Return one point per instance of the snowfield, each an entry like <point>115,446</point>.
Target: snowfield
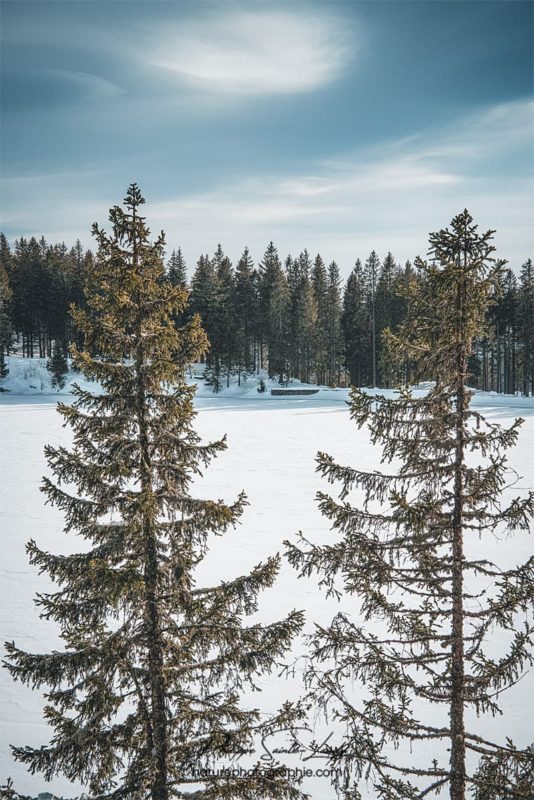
<point>272,444</point>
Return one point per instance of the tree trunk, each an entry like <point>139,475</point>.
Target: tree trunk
<point>159,787</point>
<point>457,782</point>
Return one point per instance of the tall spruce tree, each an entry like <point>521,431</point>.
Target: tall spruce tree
<point>177,270</point>
<point>333,324</point>
<point>146,692</point>
<point>245,313</point>
<point>356,328</point>
<point>6,332</point>
<point>372,269</point>
<point>526,327</point>
<point>319,281</point>
<point>416,555</point>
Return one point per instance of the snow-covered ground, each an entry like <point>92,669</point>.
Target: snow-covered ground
<point>272,443</point>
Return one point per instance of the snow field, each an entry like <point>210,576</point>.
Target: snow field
<point>271,455</point>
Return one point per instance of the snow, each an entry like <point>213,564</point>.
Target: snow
<point>272,444</point>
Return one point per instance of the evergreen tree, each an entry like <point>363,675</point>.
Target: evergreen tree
<point>176,269</point>
<point>279,327</point>
<point>526,327</point>
<point>414,555</point>
<point>268,277</point>
<point>204,296</point>
<point>58,366</point>
<point>319,282</point>
<point>145,694</point>
<point>372,268</point>
<point>6,333</point>
<point>303,314</point>
<point>333,324</point>
<point>356,327</point>
<point>385,316</point>
<point>245,313</point>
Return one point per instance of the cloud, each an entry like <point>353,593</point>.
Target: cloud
<point>386,198</point>
<point>257,52</point>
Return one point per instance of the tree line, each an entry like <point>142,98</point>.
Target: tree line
<point>295,319</point>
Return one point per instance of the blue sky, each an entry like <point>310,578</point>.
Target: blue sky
<point>336,126</point>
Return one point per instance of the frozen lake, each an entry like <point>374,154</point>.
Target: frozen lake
<point>272,445</point>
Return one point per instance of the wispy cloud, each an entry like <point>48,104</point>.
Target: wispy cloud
<point>383,198</point>
<point>388,197</point>
<point>257,52</point>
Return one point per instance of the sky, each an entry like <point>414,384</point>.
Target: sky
<point>336,126</point>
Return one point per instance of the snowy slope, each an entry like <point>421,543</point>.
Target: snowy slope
<point>271,449</point>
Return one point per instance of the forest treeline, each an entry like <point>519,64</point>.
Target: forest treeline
<point>295,318</point>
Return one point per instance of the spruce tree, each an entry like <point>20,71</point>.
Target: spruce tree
<point>6,333</point>
<point>319,280</point>
<point>333,324</point>
<point>415,554</point>
<point>245,313</point>
<point>372,267</point>
<point>526,327</point>
<point>145,693</point>
<point>176,269</point>
<point>356,327</point>
<point>58,366</point>
<point>268,277</point>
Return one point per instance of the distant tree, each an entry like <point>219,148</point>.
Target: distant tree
<point>526,327</point>
<point>6,332</point>
<point>245,313</point>
<point>356,327</point>
<point>204,295</point>
<point>303,316</point>
<point>58,366</point>
<point>414,555</point>
<point>319,280</point>
<point>371,271</point>
<point>279,327</point>
<point>222,354</point>
<point>268,277</point>
<point>386,316</point>
<point>144,699</point>
<point>177,270</point>
<point>334,342</point>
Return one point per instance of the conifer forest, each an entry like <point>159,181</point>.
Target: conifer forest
<point>266,400</point>
<point>293,317</point>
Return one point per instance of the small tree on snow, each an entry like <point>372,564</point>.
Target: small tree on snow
<point>414,555</point>
<point>58,366</point>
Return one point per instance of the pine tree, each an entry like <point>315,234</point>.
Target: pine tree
<point>58,366</point>
<point>176,269</point>
<point>319,280</point>
<point>414,555</point>
<point>204,297</point>
<point>356,328</point>
<point>6,333</point>
<point>278,325</point>
<point>333,324</point>
<point>385,316</point>
<point>225,318</point>
<point>303,314</point>
<point>526,327</point>
<point>146,692</point>
<point>245,313</point>
<point>268,277</point>
<point>372,267</point>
